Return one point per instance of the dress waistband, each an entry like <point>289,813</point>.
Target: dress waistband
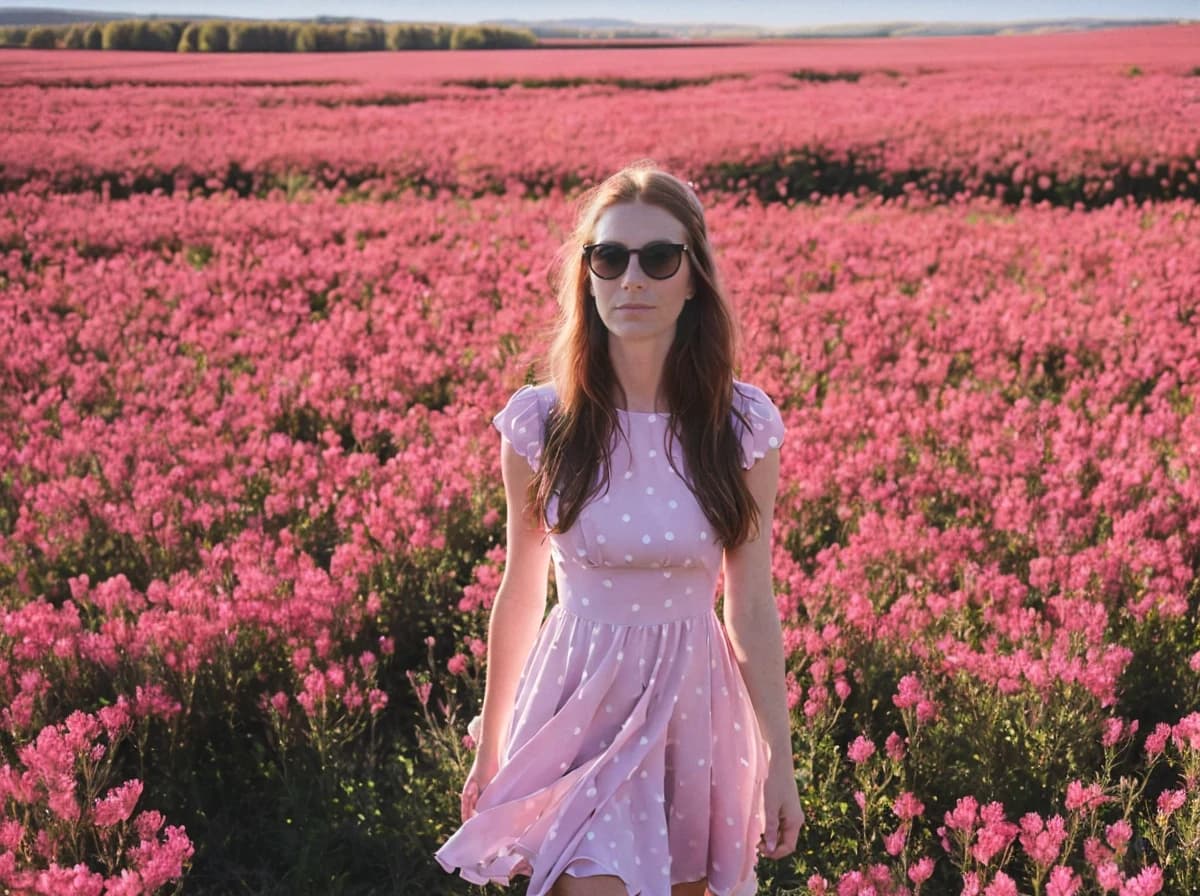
<point>636,596</point>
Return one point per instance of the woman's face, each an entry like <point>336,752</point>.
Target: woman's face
<point>633,306</point>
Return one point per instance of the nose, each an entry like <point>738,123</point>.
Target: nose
<point>633,278</point>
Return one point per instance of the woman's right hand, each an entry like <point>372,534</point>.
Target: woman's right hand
<point>483,769</point>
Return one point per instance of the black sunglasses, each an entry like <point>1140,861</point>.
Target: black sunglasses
<point>659,261</point>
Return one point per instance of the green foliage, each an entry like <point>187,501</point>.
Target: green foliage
<point>118,35</point>
<point>41,38</point>
<point>189,39</point>
<point>13,37</point>
<point>214,37</point>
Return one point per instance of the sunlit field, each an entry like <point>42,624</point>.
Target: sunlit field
<point>257,311</point>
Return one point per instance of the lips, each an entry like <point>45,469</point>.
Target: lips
<point>634,306</point>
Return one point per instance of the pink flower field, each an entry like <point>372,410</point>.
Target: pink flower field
<point>258,311</point>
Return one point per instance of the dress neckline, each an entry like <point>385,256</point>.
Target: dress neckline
<point>662,414</point>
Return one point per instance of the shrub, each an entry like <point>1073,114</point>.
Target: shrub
<point>93,38</point>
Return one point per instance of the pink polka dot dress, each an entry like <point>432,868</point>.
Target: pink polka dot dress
<point>633,749</point>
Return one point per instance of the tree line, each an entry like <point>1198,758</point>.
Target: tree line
<point>263,37</point>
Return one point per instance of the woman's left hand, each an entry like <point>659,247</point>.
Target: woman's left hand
<point>781,807</point>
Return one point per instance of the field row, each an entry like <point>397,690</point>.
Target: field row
<point>248,471</point>
<point>1062,134</point>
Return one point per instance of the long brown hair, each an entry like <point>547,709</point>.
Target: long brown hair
<point>697,374</point>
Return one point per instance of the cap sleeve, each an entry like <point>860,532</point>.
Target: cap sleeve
<point>523,422</point>
<point>763,427</point>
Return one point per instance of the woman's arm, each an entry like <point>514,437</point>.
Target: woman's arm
<point>752,621</point>
<point>516,617</point>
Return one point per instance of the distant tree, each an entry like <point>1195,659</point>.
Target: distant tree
<point>93,38</point>
<point>13,37</point>
<point>362,37</point>
<point>189,39</point>
<point>307,39</point>
<point>214,37</point>
<point>73,39</point>
<point>467,37</point>
<point>41,38</point>
<point>118,35</point>
<point>411,37</point>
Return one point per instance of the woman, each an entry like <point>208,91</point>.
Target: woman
<point>630,743</point>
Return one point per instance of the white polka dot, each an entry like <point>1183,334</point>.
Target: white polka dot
<point>672,503</point>
<point>629,558</point>
<point>553,833</point>
<point>704,536</point>
<point>667,602</point>
<point>643,774</point>
<point>620,656</point>
<point>699,690</point>
<point>699,762</point>
<point>560,679</point>
<point>716,867</point>
<point>606,499</point>
<point>744,761</point>
<point>670,536</point>
<point>591,791</point>
<point>584,601</point>
<point>636,607</point>
<point>773,441</point>
<point>578,730</point>
<point>562,766</point>
<point>652,418</point>
<point>649,489</point>
<point>591,835</point>
<point>522,430</point>
<point>600,539</point>
<point>644,740</point>
<point>582,552</point>
<point>666,869</point>
<point>687,590</point>
<point>629,474</point>
<point>645,539</point>
<point>625,517</point>
<point>653,453</point>
<point>608,583</point>
<point>729,820</point>
<point>608,707</point>
<point>737,726</point>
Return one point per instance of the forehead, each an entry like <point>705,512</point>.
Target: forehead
<point>637,223</point>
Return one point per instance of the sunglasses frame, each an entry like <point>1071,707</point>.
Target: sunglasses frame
<point>629,253</point>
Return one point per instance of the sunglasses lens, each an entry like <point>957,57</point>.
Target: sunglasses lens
<point>660,260</point>
<point>608,262</point>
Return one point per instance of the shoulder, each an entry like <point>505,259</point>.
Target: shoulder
<point>757,422</point>
<point>522,420</point>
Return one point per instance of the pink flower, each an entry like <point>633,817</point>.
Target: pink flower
<point>995,834</point>
<point>1118,834</point>
<point>1147,883</point>
<point>894,842</point>
<point>1001,885</point>
<point>1062,882</point>
<point>1042,842</point>
<point>921,870</point>
<point>117,805</point>
<point>457,664</point>
<point>907,806</point>
<point>861,750</point>
<point>1084,799</point>
<point>1108,876</point>
<point>895,747</point>
<point>1156,741</point>
<point>962,817</point>
<point>817,885</point>
<point>1170,800</point>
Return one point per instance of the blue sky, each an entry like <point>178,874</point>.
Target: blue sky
<point>743,12</point>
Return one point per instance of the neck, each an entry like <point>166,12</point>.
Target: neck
<point>639,367</point>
